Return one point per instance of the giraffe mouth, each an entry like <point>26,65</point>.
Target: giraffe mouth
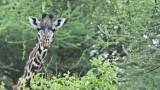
<point>46,44</point>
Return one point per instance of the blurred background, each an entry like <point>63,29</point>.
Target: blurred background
<point>126,31</point>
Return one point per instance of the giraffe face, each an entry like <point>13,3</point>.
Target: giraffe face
<point>46,28</point>
<point>45,33</point>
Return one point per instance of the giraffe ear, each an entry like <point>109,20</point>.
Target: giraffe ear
<point>58,23</point>
<point>34,21</point>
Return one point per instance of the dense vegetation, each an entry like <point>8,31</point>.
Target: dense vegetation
<point>79,57</point>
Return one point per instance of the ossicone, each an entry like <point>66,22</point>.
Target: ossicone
<point>44,15</point>
<point>51,15</point>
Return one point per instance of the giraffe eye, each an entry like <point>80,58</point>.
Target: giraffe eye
<point>53,30</point>
<point>38,29</point>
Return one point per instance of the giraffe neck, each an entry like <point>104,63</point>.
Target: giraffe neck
<point>36,59</point>
<point>34,63</point>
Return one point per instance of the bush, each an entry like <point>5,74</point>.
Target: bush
<point>2,86</point>
<point>102,76</point>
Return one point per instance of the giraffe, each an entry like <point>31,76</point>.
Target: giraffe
<point>46,29</point>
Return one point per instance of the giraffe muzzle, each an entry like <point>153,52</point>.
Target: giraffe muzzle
<point>46,44</point>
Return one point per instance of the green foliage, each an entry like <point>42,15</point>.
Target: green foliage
<point>121,22</point>
<point>102,76</point>
<point>2,86</point>
<point>18,37</point>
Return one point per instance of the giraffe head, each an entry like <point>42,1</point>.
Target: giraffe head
<point>46,28</point>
